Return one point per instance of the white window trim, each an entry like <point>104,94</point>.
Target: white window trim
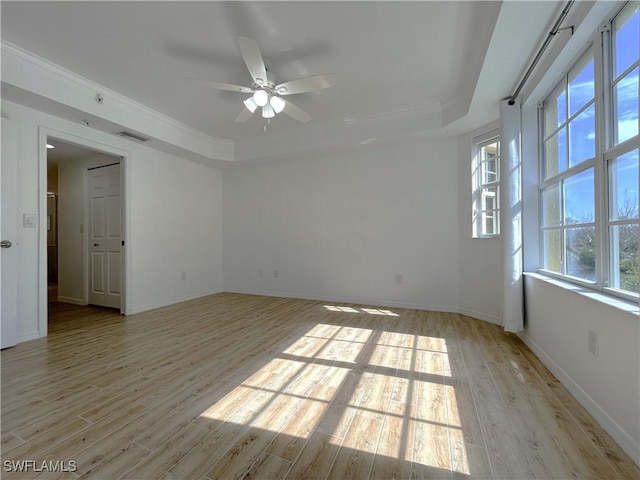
<point>478,185</point>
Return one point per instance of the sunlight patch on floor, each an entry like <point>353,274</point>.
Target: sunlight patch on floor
<point>518,373</point>
<point>405,393</point>
<point>376,311</point>
<point>335,308</point>
<point>370,311</point>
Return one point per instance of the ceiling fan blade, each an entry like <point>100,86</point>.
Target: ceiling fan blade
<point>244,115</point>
<point>253,58</point>
<point>296,112</point>
<point>306,84</point>
<point>227,86</point>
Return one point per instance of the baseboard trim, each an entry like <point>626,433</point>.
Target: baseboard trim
<point>26,336</point>
<point>481,316</point>
<point>374,302</point>
<point>153,306</point>
<point>352,300</point>
<point>71,300</point>
<point>621,437</point>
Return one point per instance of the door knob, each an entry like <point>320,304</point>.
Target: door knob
<point>5,244</point>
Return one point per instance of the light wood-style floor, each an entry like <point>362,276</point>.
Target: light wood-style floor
<point>238,386</point>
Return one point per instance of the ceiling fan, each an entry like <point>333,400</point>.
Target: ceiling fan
<point>265,93</point>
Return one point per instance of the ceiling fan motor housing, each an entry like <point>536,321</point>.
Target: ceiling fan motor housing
<point>268,85</point>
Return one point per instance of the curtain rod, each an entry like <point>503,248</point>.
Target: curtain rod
<point>556,28</point>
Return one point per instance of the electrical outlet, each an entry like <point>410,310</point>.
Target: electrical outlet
<point>275,274</point>
<point>260,273</point>
<point>593,343</point>
<point>398,279</point>
<point>183,275</point>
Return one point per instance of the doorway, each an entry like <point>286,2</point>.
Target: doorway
<point>84,221</point>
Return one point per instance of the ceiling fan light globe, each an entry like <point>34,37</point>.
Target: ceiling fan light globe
<point>268,111</point>
<point>277,103</point>
<point>261,97</point>
<point>251,104</point>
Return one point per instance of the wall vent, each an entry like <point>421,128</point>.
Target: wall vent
<point>132,136</point>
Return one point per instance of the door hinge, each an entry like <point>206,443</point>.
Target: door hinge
<point>123,243</point>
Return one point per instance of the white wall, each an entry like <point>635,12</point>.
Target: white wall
<point>176,227</point>
<point>341,226</point>
<point>71,238</point>
<point>480,258</point>
<point>167,196</point>
<point>557,322</point>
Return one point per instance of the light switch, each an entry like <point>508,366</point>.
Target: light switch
<point>29,220</point>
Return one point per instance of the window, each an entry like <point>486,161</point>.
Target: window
<point>486,188</point>
<point>567,190</point>
<point>589,184</point>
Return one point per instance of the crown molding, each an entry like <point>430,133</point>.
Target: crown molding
<point>45,79</point>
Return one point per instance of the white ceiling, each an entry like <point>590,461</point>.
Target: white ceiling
<point>67,151</point>
<point>422,60</point>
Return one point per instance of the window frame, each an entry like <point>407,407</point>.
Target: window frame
<point>606,151</point>
<point>571,171</point>
<point>479,185</point>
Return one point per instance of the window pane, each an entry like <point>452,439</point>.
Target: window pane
<point>555,109</point>
<point>626,29</point>
<point>625,96</point>
<point>579,203</point>
<point>551,206</point>
<point>490,156</point>
<point>489,198</point>
<point>625,265</point>
<point>581,84</point>
<point>556,154</point>
<point>582,137</point>
<point>552,250</point>
<point>581,252</point>
<point>490,222</point>
<point>490,173</point>
<point>623,187</point>
<point>486,198</point>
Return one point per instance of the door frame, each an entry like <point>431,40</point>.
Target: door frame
<point>43,134</point>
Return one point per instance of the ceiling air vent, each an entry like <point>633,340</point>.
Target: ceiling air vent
<point>132,136</point>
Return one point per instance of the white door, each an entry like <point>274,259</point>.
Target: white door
<point>105,236</point>
<point>9,237</point>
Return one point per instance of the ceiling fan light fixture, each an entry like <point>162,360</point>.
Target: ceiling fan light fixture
<point>251,104</point>
<point>268,111</point>
<point>277,103</point>
<point>261,97</point>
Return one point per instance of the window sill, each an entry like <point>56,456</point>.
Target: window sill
<point>485,237</point>
<point>617,303</point>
